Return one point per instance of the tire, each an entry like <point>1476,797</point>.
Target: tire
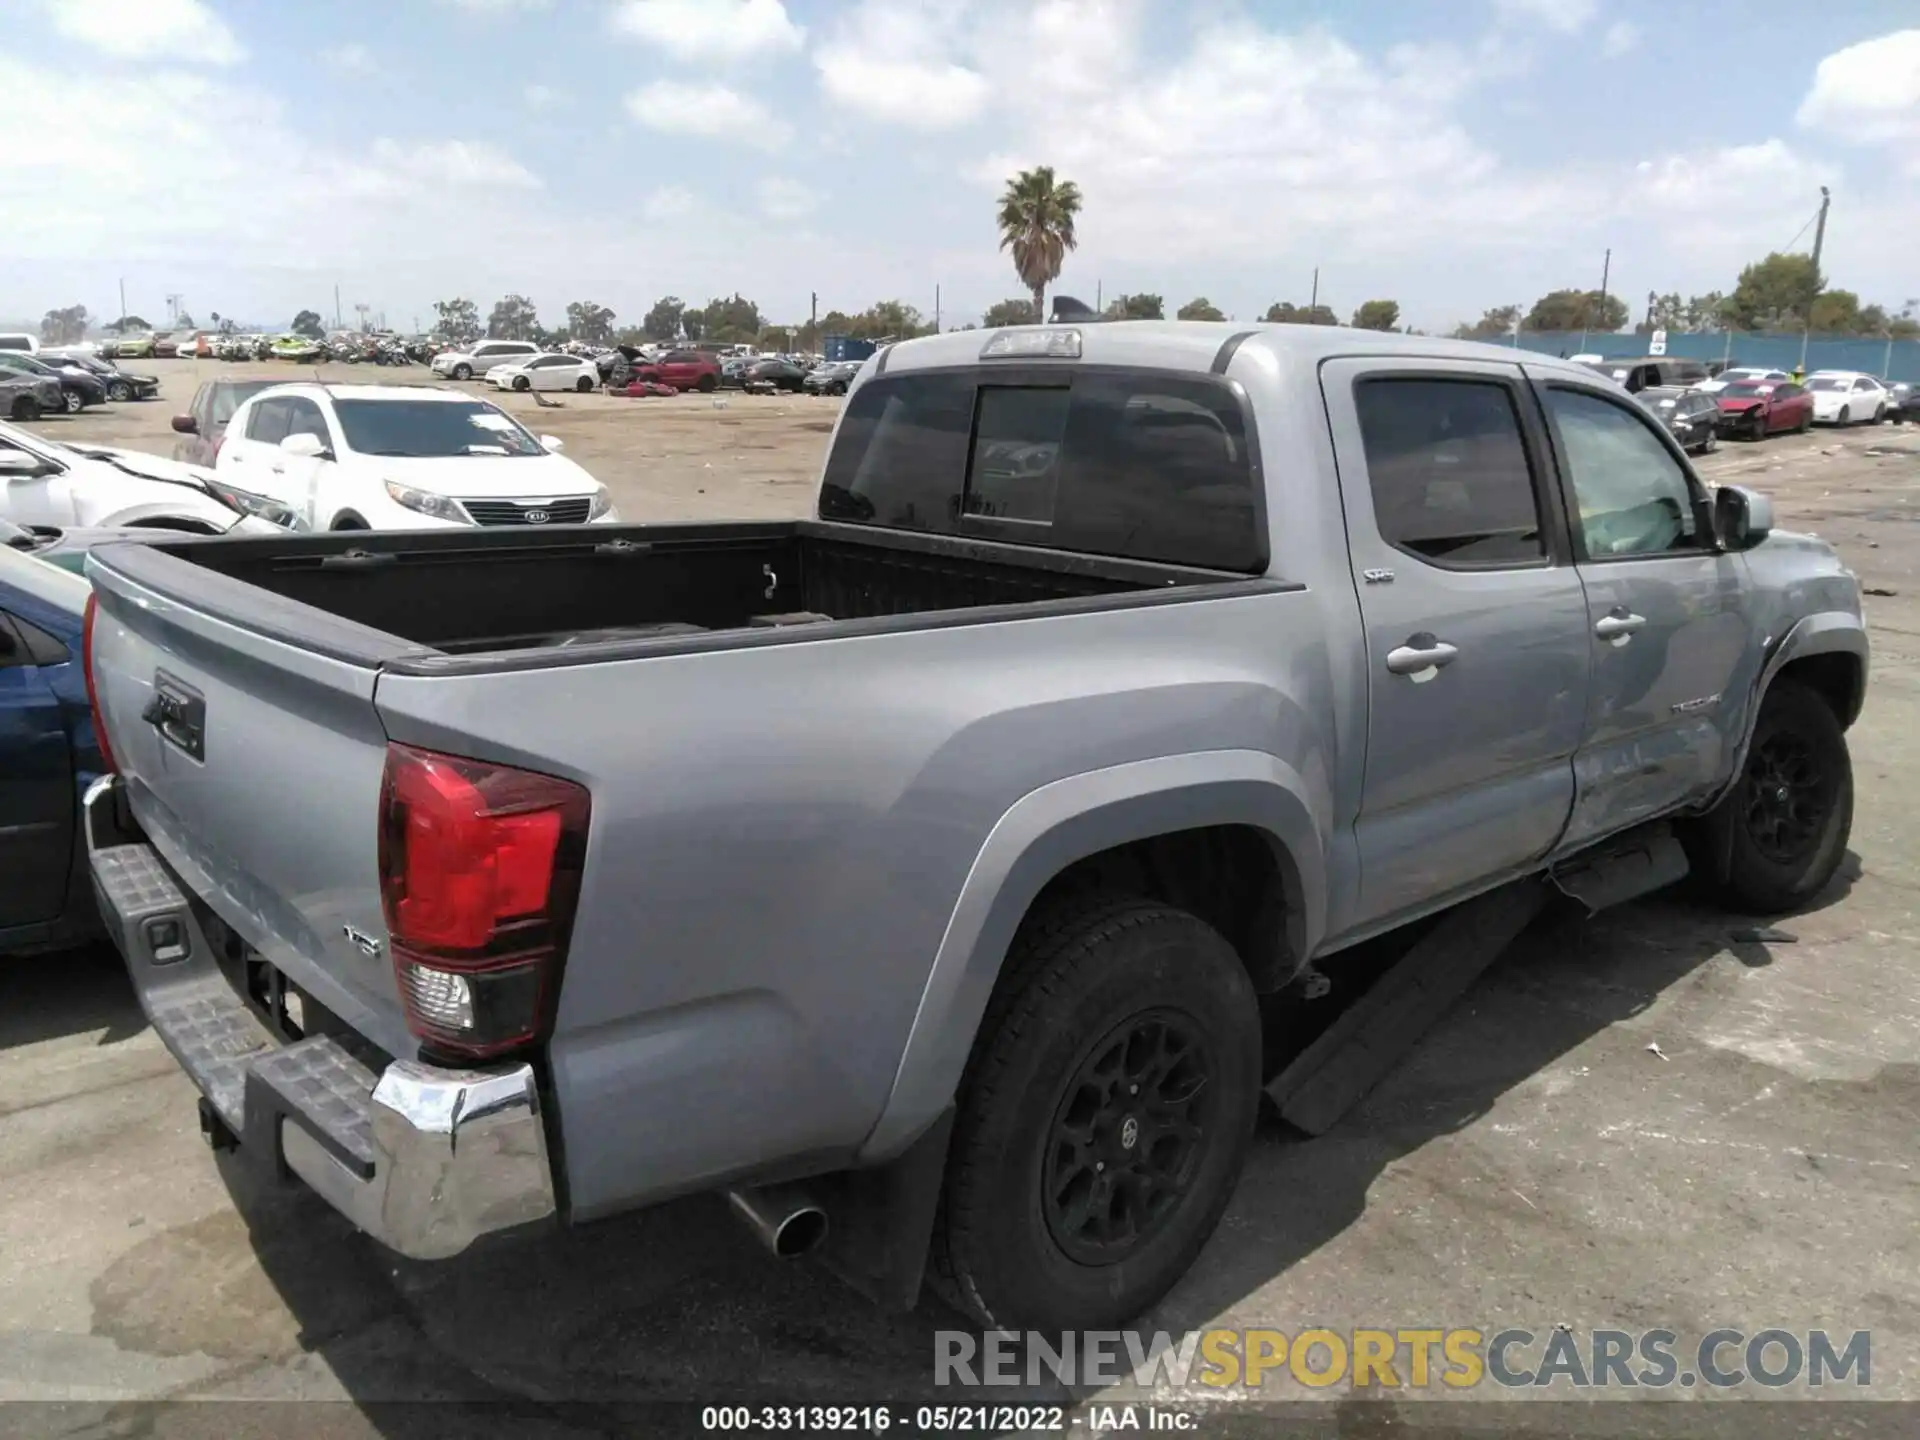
<point>26,408</point>
<point>1084,987</point>
<point>584,385</point>
<point>1806,426</point>
<point>1713,444</point>
<point>73,400</point>
<point>707,385</point>
<point>348,521</point>
<point>120,392</point>
<point>1846,415</point>
<point>522,383</point>
<point>1760,430</point>
<point>1879,416</point>
<point>463,372</point>
<point>1775,840</point>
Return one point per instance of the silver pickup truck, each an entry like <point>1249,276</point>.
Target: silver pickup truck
<point>914,873</point>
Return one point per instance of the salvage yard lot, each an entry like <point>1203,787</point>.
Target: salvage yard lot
<point>1640,1121</point>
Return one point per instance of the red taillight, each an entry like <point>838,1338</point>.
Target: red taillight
<point>479,874</point>
<point>93,688</point>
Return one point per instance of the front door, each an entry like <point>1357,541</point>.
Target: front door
<point>1476,626</point>
<point>1673,652</point>
<point>37,799</point>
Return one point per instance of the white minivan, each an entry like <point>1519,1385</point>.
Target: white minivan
<point>402,457</point>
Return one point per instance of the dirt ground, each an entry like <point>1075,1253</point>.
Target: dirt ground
<point>1651,1119</point>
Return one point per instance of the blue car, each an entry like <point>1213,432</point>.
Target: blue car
<point>48,755</point>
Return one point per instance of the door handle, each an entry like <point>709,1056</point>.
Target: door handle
<point>1618,625</point>
<point>279,469</point>
<point>1421,656</point>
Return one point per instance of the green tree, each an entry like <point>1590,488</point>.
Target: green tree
<point>590,322</point>
<point>1562,310</point>
<point>64,326</point>
<point>1776,293</point>
<point>1199,308</point>
<point>1285,312</point>
<point>513,318</point>
<point>1495,324</point>
<point>662,322</point>
<point>1666,312</point>
<point>309,324</point>
<point>1377,315</point>
<point>1036,220</point>
<point>456,321</point>
<point>183,321</point>
<point>128,322</point>
<point>1706,312</point>
<point>1137,307</point>
<point>890,320</point>
<point>1010,312</point>
<point>729,321</point>
<point>1838,312</point>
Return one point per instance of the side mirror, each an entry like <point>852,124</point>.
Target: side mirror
<point>1742,517</point>
<point>18,465</point>
<point>185,425</point>
<point>304,446</point>
<point>553,444</point>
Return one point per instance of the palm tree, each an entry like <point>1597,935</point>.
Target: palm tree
<point>1036,223</point>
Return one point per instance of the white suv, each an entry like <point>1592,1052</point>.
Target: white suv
<point>402,457</point>
<point>465,364</point>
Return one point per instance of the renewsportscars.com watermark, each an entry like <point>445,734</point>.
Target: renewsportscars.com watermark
<point>1216,1361</point>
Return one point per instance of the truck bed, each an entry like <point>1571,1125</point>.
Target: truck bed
<point>600,590</point>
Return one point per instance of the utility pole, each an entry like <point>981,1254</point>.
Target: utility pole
<point>936,309</point>
<point>1586,311</point>
<point>123,298</point>
<point>1651,297</point>
<point>173,307</point>
<point>336,309</point>
<point>1098,297</point>
<point>1819,244</point>
<point>1313,302</point>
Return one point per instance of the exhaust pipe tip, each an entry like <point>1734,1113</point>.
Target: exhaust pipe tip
<point>786,1222</point>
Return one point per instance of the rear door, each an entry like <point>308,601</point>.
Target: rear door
<point>1476,625</point>
<point>1672,650</point>
<point>37,795</point>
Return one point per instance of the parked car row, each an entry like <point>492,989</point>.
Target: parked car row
<point>52,381</point>
<point>627,370</point>
<point>1702,402</point>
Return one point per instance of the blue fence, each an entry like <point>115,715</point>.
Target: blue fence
<point>1895,360</point>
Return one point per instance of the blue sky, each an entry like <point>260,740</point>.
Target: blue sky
<point>252,154</point>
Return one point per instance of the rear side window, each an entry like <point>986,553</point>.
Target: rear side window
<point>1142,465</point>
<point>267,422</point>
<point>1448,471</point>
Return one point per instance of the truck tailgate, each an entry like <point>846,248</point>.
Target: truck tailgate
<point>252,758</point>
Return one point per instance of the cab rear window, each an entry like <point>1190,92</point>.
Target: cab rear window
<point>1136,464</point>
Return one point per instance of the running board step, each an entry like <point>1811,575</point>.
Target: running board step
<point>1335,1072</point>
<point>1638,863</point>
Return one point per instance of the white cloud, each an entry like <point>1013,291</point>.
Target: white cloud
<point>670,202</point>
<point>1869,91</point>
<point>895,63</point>
<point>1568,17</point>
<point>783,199</point>
<point>539,97</point>
<point>711,111</point>
<point>147,29</point>
<point>497,7</point>
<point>710,30</point>
<point>349,60</point>
<point>1621,37</point>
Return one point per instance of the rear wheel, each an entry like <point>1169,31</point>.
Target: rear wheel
<point>1104,1119</point>
<point>26,407</point>
<point>707,385</point>
<point>584,384</point>
<point>1777,837</point>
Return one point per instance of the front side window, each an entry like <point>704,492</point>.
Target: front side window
<point>1632,497</point>
<point>1448,471</point>
<point>304,418</point>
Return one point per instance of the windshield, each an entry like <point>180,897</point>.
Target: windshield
<point>1747,390</point>
<point>423,428</point>
<point>230,397</point>
<point>1819,384</point>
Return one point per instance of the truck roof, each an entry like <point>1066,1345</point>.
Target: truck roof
<point>1199,345</point>
<point>341,391</point>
